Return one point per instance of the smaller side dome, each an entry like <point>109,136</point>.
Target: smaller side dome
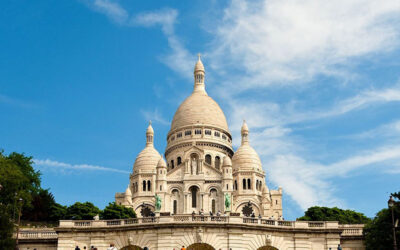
<point>246,158</point>
<point>227,161</point>
<point>128,192</point>
<point>162,163</point>
<point>148,158</point>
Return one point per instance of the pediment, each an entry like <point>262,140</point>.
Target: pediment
<point>193,149</point>
<point>211,171</point>
<point>176,172</point>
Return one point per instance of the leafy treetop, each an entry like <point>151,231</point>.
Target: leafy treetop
<point>334,214</point>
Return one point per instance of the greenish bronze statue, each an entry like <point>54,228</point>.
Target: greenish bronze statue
<point>158,202</point>
<point>227,202</point>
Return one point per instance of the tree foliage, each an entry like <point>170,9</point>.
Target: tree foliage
<point>379,231</point>
<point>114,211</point>
<point>82,211</point>
<point>334,214</point>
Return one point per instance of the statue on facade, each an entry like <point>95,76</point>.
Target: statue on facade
<point>227,202</point>
<point>158,202</point>
<point>194,166</point>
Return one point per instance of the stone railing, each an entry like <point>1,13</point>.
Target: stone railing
<point>352,230</point>
<point>37,234</point>
<point>348,230</point>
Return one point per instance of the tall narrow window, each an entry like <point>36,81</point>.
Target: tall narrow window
<point>244,183</point>
<point>148,185</point>
<point>179,161</point>
<point>213,206</point>
<point>235,185</point>
<point>217,162</point>
<point>175,206</point>
<point>172,164</point>
<point>249,184</point>
<point>208,159</point>
<point>193,191</point>
<point>144,185</point>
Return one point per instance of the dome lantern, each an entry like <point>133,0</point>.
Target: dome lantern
<point>245,133</point>
<point>199,74</point>
<point>149,135</point>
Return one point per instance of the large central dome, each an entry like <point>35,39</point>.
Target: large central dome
<point>199,108</point>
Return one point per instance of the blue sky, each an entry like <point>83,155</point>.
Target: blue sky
<point>317,82</point>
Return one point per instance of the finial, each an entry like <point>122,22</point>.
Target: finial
<point>149,122</point>
<point>198,55</point>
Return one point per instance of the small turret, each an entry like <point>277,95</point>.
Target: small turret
<point>128,195</point>
<point>227,174</point>
<point>199,75</point>
<point>149,135</point>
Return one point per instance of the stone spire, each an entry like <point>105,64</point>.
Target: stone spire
<point>199,74</point>
<point>245,133</point>
<point>149,135</point>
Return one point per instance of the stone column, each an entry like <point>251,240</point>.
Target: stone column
<point>200,166</point>
<point>187,170</point>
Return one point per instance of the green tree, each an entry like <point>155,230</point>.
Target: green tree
<point>378,232</point>
<point>57,212</point>
<point>334,214</point>
<point>6,229</point>
<point>44,208</point>
<point>82,211</point>
<point>18,179</point>
<point>114,211</point>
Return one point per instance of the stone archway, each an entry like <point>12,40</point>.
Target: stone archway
<point>267,248</point>
<point>131,247</point>
<point>200,246</point>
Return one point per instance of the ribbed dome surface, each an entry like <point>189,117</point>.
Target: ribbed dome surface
<point>147,159</point>
<point>199,108</point>
<point>246,158</point>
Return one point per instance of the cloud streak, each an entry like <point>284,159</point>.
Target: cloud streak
<point>272,42</point>
<point>56,165</point>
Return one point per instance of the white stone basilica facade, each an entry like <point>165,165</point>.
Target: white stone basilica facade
<point>201,171</point>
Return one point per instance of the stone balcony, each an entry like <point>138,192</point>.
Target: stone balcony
<point>347,230</point>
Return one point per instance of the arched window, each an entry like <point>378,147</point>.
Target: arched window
<point>244,183</point>
<point>193,191</point>
<point>227,187</point>
<point>208,159</point>
<point>144,185</point>
<point>175,206</point>
<point>148,185</point>
<point>257,185</point>
<point>172,164</point>
<point>213,206</point>
<point>160,187</point>
<point>276,202</point>
<point>179,161</point>
<point>235,184</point>
<point>217,162</point>
<point>248,184</point>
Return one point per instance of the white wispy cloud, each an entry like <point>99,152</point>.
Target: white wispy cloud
<point>290,42</point>
<point>16,102</point>
<point>310,183</point>
<point>56,165</point>
<point>111,9</point>
<point>179,58</point>
<point>155,116</point>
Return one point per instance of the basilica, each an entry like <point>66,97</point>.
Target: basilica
<point>201,172</point>
<point>201,194</point>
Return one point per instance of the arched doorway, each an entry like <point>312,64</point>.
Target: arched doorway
<point>130,247</point>
<point>200,246</point>
<point>267,248</point>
